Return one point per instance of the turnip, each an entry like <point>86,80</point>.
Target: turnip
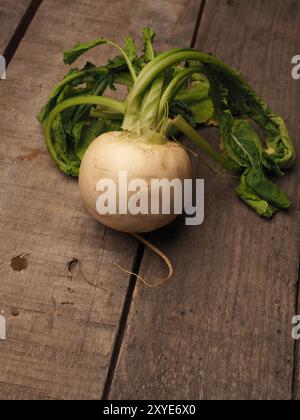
<point>117,151</point>
<point>95,137</point>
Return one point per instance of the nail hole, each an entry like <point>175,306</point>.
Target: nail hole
<point>19,263</point>
<point>73,265</point>
<point>15,311</point>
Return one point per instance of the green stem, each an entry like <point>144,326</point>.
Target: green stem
<point>123,79</point>
<point>157,66</point>
<point>111,115</point>
<point>162,62</point>
<point>182,125</point>
<point>148,113</point>
<point>81,100</point>
<point>78,75</point>
<point>120,79</point>
<point>128,62</point>
<point>174,87</point>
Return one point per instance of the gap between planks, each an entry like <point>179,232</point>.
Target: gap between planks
<point>123,322</point>
<point>136,268</point>
<point>21,30</point>
<point>297,343</point>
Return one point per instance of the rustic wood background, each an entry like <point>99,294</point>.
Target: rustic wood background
<point>78,328</point>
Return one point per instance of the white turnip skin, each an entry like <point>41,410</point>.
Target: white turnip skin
<point>117,151</point>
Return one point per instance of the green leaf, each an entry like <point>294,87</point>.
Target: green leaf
<point>59,138</point>
<point>196,98</point>
<point>267,190</point>
<point>86,135</point>
<point>242,145</point>
<point>70,56</point>
<point>53,98</point>
<point>261,194</point>
<point>131,49</point>
<point>148,38</point>
<point>60,143</point>
<point>98,88</point>
<point>116,63</point>
<point>262,207</point>
<point>73,79</point>
<point>66,130</point>
<point>242,100</point>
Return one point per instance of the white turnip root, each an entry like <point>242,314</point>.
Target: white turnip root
<point>119,151</point>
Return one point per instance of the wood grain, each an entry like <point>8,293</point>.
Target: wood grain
<point>62,314</point>
<point>11,13</point>
<point>221,329</point>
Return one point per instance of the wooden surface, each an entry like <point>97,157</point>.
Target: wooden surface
<point>62,323</point>
<point>222,328</point>
<point>11,13</point>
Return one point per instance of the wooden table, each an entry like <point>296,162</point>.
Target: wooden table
<point>80,329</point>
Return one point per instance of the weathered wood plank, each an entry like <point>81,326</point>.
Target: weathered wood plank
<point>61,335</point>
<point>11,13</point>
<point>222,328</point>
